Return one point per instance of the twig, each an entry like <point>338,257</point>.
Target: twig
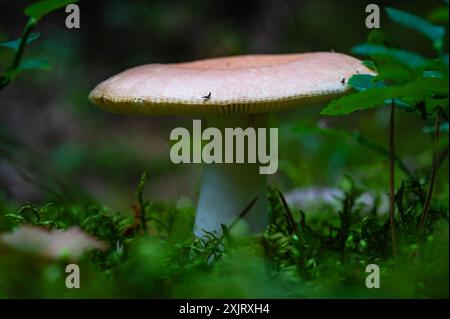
<point>434,166</point>
<point>391,177</point>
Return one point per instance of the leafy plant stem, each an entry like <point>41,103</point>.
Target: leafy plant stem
<point>392,176</point>
<point>434,166</point>
<point>5,79</point>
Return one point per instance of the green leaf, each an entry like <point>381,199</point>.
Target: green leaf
<point>406,104</point>
<point>439,15</point>
<point>30,64</point>
<point>445,60</point>
<point>36,64</point>
<point>420,88</point>
<point>396,72</point>
<point>431,129</point>
<point>433,74</point>
<point>432,104</point>
<point>40,9</point>
<point>431,31</point>
<point>370,64</point>
<point>18,218</point>
<point>439,65</point>
<point>410,59</point>
<point>14,45</point>
<point>362,82</point>
<point>378,37</point>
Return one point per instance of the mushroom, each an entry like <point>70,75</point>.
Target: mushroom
<point>230,92</point>
<point>70,243</point>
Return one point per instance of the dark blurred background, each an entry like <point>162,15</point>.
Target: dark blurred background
<point>54,142</point>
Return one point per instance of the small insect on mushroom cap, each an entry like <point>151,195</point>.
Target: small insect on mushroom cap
<point>247,84</point>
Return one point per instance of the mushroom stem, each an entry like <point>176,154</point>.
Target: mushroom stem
<point>228,188</point>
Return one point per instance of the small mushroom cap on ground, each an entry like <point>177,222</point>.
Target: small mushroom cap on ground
<point>234,85</point>
<point>54,244</point>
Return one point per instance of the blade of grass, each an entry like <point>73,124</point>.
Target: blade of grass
<point>241,215</point>
<point>291,218</point>
<point>142,204</point>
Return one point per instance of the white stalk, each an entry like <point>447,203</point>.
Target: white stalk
<point>227,188</point>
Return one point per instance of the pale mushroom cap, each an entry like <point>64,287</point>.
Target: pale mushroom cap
<point>231,85</point>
